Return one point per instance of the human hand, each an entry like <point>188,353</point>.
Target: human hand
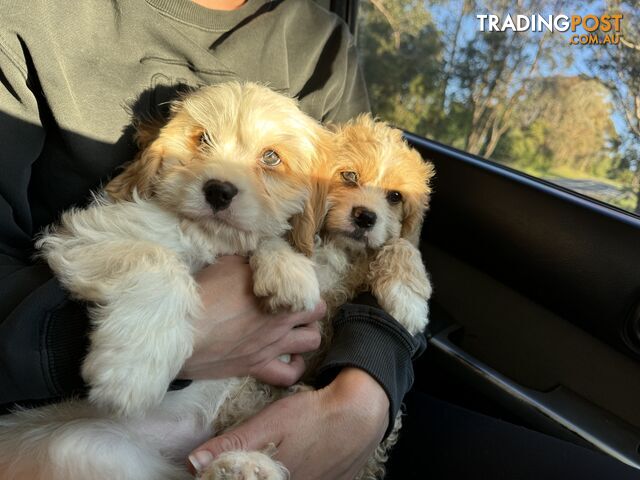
<point>327,433</point>
<point>235,338</point>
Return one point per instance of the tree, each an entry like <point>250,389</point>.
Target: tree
<point>498,94</point>
<point>494,69</point>
<point>618,68</point>
<point>461,89</point>
<point>401,54</point>
<point>563,122</point>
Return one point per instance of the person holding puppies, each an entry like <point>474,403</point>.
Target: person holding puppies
<point>65,80</point>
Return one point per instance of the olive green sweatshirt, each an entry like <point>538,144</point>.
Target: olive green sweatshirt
<point>70,72</point>
<point>73,67</point>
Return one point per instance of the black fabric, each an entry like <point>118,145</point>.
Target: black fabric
<point>66,344</point>
<point>40,360</point>
<point>441,441</point>
<point>179,384</point>
<point>366,337</point>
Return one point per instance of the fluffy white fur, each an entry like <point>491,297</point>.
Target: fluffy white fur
<point>132,253</point>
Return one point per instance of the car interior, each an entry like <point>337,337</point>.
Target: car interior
<point>535,316</point>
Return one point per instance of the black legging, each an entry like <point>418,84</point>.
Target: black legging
<point>441,441</point>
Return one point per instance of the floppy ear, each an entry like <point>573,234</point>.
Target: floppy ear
<point>139,175</point>
<point>417,198</point>
<point>147,130</point>
<point>417,202</point>
<point>413,216</point>
<point>305,225</point>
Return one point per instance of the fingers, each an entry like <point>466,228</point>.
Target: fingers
<point>319,312</point>
<point>282,374</point>
<point>251,435</point>
<point>290,337</point>
<point>202,457</point>
<point>300,340</point>
<point>303,318</point>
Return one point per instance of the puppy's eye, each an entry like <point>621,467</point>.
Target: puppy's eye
<point>270,158</point>
<point>394,196</point>
<point>205,138</point>
<point>350,177</point>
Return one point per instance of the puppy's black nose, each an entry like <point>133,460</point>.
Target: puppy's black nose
<point>363,217</point>
<point>219,194</point>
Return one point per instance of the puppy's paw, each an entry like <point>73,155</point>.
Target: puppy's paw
<point>404,304</point>
<point>285,283</point>
<point>400,282</point>
<point>240,465</point>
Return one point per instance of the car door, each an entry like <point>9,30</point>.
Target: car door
<point>533,235</point>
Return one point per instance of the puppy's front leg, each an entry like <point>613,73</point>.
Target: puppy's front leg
<point>400,282</point>
<point>142,330</point>
<point>284,278</point>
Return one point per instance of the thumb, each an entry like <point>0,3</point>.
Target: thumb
<point>250,436</point>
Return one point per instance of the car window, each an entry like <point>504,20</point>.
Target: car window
<point>550,88</point>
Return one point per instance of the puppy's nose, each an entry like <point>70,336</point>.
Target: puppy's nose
<point>363,217</point>
<point>219,194</point>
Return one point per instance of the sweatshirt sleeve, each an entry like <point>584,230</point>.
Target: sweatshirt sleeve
<point>366,337</point>
<point>42,333</point>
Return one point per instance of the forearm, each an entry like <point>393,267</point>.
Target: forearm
<point>367,338</point>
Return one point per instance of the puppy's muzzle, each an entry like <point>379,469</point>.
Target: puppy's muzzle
<point>219,194</point>
<point>363,217</point>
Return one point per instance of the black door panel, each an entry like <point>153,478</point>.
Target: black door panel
<point>536,287</point>
<point>572,255</point>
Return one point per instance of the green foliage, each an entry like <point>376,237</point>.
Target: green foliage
<point>563,122</point>
<point>485,92</point>
<point>525,148</point>
<point>402,77</point>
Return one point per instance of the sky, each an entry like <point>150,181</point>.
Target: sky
<point>445,15</point>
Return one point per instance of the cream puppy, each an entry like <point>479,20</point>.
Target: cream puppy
<point>230,173</point>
